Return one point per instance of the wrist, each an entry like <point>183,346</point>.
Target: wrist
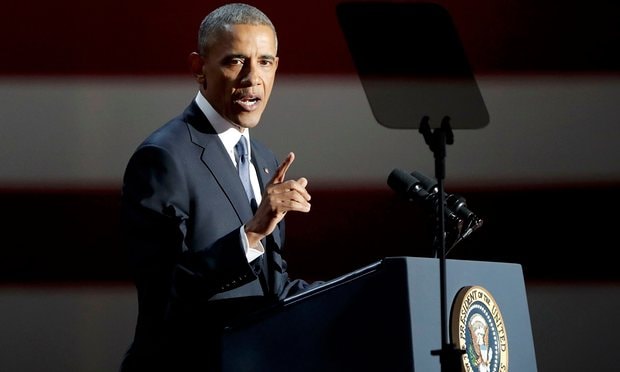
<point>253,238</point>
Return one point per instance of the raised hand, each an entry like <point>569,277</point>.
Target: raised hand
<point>280,197</point>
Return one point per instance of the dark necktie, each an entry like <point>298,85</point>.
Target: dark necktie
<point>243,166</point>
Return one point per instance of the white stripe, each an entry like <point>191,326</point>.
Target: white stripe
<point>80,131</point>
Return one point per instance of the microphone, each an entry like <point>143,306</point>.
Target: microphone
<point>454,203</point>
<point>414,189</point>
<point>407,185</point>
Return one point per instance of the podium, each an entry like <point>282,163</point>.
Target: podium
<point>382,317</point>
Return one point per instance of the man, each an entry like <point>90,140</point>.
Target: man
<point>200,256</point>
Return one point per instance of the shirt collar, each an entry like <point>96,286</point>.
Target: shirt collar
<point>227,132</point>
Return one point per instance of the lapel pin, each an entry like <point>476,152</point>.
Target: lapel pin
<point>266,170</point>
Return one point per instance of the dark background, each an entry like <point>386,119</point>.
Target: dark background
<point>556,233</point>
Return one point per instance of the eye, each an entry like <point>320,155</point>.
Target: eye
<point>233,61</point>
<point>236,61</point>
<point>266,62</point>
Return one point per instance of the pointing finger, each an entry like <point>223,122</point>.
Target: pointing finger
<point>281,171</point>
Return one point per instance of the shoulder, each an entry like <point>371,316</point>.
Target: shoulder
<point>263,150</point>
<point>163,147</point>
<point>180,130</point>
<point>168,135</point>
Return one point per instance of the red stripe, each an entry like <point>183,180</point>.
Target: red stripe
<point>146,38</point>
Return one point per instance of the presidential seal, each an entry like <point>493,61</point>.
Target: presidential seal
<point>477,327</point>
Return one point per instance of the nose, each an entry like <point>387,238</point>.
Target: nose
<point>250,74</point>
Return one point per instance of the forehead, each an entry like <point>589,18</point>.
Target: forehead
<point>244,39</point>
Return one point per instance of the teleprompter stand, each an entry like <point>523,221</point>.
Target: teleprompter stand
<point>449,355</point>
<point>414,70</point>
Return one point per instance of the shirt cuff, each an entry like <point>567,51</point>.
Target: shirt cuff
<point>251,253</point>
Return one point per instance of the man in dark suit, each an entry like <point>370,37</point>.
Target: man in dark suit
<point>202,252</point>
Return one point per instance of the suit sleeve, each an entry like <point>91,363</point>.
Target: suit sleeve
<point>155,213</point>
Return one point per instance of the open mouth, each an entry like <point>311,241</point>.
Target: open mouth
<point>248,103</point>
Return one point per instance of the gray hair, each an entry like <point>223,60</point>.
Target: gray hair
<point>229,14</point>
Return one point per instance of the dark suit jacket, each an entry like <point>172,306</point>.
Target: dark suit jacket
<point>182,207</point>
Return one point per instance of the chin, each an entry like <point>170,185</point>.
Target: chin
<point>248,120</point>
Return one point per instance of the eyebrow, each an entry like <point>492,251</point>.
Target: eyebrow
<point>243,56</point>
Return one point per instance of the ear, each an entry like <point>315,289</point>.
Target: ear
<point>195,64</point>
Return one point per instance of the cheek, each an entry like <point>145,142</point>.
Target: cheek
<point>218,86</point>
<point>268,81</point>
<point>269,76</point>
<point>219,77</point>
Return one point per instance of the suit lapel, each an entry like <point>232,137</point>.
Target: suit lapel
<point>215,157</point>
<point>263,171</point>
